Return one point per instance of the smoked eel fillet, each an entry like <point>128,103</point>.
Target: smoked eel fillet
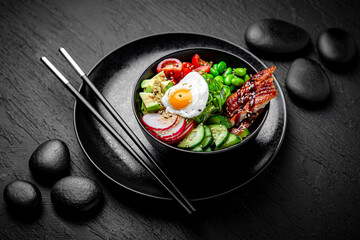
<point>241,96</point>
<point>245,105</point>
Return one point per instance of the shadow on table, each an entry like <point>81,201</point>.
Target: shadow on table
<point>214,208</point>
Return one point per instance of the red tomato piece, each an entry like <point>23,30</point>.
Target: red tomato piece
<point>205,68</point>
<point>186,68</point>
<point>197,61</point>
<point>188,65</point>
<point>172,67</point>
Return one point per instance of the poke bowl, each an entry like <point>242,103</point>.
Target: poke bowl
<point>179,130</point>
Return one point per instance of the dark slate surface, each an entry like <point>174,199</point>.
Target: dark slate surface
<point>310,190</point>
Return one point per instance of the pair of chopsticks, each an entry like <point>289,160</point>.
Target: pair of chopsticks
<point>159,175</point>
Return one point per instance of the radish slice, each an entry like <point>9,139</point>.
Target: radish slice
<point>187,129</point>
<point>172,132</point>
<point>159,121</point>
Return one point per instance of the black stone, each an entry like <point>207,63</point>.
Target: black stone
<point>306,80</point>
<point>76,195</point>
<point>50,161</point>
<point>336,46</point>
<point>22,197</point>
<point>276,36</point>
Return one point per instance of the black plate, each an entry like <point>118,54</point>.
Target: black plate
<point>116,75</point>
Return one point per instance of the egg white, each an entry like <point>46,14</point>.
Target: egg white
<point>199,89</point>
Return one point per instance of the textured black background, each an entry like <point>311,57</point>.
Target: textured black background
<point>311,189</point>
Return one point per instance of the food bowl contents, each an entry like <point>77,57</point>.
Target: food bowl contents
<point>50,161</point>
<point>22,197</point>
<point>201,105</point>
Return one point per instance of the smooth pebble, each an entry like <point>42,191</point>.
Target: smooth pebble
<point>336,46</point>
<point>22,196</point>
<point>306,80</point>
<point>76,195</point>
<point>50,161</point>
<point>276,36</point>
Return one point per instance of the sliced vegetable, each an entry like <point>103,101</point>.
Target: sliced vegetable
<point>193,138</point>
<point>230,141</point>
<point>207,149</point>
<point>150,103</point>
<point>172,133</point>
<point>165,85</point>
<point>159,121</point>
<point>219,119</point>
<point>204,68</point>
<point>186,68</point>
<point>208,139</point>
<point>244,133</point>
<point>147,82</point>
<point>220,134</point>
<point>187,129</point>
<point>197,149</point>
<point>172,67</point>
<point>197,61</point>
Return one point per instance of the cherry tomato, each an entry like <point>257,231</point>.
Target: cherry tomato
<point>186,68</point>
<point>172,67</point>
<point>188,65</point>
<point>197,61</point>
<point>204,68</point>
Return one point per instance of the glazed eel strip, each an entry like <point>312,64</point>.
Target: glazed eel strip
<point>242,95</point>
<point>243,107</point>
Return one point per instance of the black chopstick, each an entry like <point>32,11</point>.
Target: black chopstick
<point>178,196</point>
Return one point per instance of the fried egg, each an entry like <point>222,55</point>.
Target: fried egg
<point>188,98</point>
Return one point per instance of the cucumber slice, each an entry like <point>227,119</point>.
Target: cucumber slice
<point>232,140</point>
<point>197,149</point>
<point>207,149</point>
<point>219,119</point>
<point>193,138</point>
<point>208,138</point>
<point>244,133</point>
<point>220,134</point>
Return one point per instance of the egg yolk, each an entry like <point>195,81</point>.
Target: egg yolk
<point>180,99</point>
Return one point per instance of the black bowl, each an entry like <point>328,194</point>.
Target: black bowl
<point>176,154</point>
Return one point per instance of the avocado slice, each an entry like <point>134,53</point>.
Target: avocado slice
<point>165,85</point>
<point>150,102</point>
<point>147,82</point>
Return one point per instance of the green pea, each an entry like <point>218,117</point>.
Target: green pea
<point>219,79</point>
<point>240,72</point>
<point>215,66</point>
<point>210,76</point>
<point>247,77</point>
<point>221,66</point>
<point>237,82</point>
<point>214,71</point>
<point>228,79</point>
<point>227,71</point>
